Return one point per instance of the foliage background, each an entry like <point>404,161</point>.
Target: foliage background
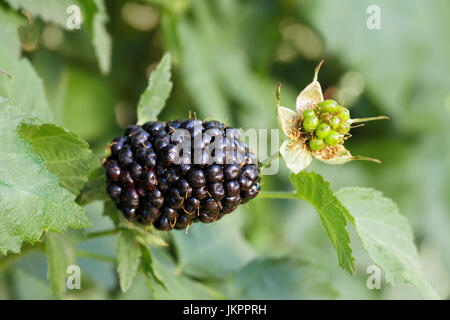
<point>228,57</point>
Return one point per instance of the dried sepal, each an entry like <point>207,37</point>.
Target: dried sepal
<point>297,157</point>
<point>341,156</point>
<point>278,94</point>
<point>286,119</point>
<point>312,94</point>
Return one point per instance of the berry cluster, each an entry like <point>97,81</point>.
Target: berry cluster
<point>327,123</point>
<point>176,173</point>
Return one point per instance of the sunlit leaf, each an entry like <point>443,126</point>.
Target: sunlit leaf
<point>65,154</point>
<point>23,86</point>
<point>49,10</point>
<point>128,258</point>
<point>386,236</point>
<point>31,197</point>
<point>154,97</point>
<point>96,19</point>
<point>9,37</point>
<point>147,265</point>
<point>60,253</point>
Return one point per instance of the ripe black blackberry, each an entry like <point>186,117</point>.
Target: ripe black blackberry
<point>171,174</point>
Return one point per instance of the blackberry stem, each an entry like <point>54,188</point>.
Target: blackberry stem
<point>95,256</point>
<point>278,195</point>
<point>268,161</point>
<point>103,233</point>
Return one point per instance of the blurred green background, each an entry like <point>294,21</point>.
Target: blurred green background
<point>228,57</point>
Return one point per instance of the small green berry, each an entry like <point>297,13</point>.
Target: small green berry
<point>333,139</point>
<point>310,124</point>
<point>344,114</point>
<point>344,127</point>
<point>308,113</point>
<point>335,122</point>
<point>323,130</point>
<point>316,144</point>
<point>335,109</point>
<point>327,105</point>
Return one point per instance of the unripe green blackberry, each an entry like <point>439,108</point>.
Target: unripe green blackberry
<point>327,105</point>
<point>325,125</point>
<point>335,122</point>
<point>171,174</point>
<point>310,123</point>
<point>316,144</point>
<point>323,131</point>
<point>333,139</point>
<point>344,127</point>
<point>344,114</point>
<point>308,113</point>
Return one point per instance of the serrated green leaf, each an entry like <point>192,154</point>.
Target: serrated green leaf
<point>101,38</point>
<point>60,254</point>
<point>386,236</point>
<point>96,19</point>
<point>128,258</point>
<point>48,10</point>
<point>154,98</point>
<point>65,154</point>
<point>314,189</point>
<point>280,278</point>
<point>22,86</point>
<point>143,232</point>
<point>207,252</point>
<point>147,266</point>
<point>151,238</point>
<point>25,88</point>
<point>9,37</point>
<point>31,199</point>
<point>95,187</point>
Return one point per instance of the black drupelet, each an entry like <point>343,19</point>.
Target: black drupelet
<point>179,172</point>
